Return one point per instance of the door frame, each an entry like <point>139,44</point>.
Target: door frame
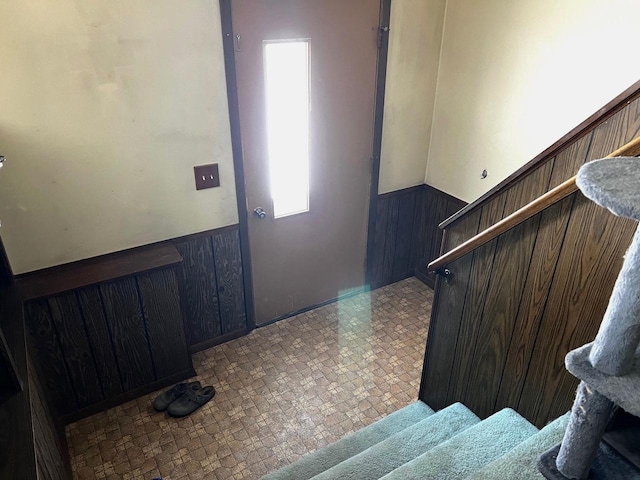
<point>236,146</point>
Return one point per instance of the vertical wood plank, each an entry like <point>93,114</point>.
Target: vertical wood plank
<point>480,273</point>
<point>199,290</point>
<point>124,314</point>
<point>551,232</point>
<point>50,445</point>
<point>162,312</point>
<point>439,211</point>
<point>420,235</point>
<point>437,206</point>
<point>401,267</point>
<point>382,218</point>
<point>555,340</point>
<point>100,339</point>
<point>445,319</point>
<point>228,262</point>
<point>621,128</point>
<point>588,265</point>
<point>78,355</point>
<point>544,258</point>
<point>569,161</point>
<point>390,240</point>
<point>433,234</point>
<point>46,345</point>
<point>510,265</point>
<point>441,207</point>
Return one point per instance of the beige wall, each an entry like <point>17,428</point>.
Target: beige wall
<point>517,75</point>
<point>104,109</point>
<point>414,49</point>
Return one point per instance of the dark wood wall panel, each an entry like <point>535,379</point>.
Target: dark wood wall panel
<point>407,236</point>
<point>50,444</point>
<point>211,287</point>
<point>378,276</point>
<point>587,268</point>
<point>552,228</point>
<point>473,306</point>
<point>402,254</point>
<point>102,345</point>
<point>228,266</point>
<point>616,131</point>
<point>160,299</point>
<point>124,315</point>
<point>100,338</point>
<point>389,234</point>
<point>447,313</point>
<point>199,290</point>
<point>76,349</point>
<point>509,268</point>
<point>17,452</point>
<point>515,307</point>
<point>32,443</point>
<point>49,356</point>
<point>438,206</point>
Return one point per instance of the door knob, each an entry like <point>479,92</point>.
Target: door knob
<point>259,212</point>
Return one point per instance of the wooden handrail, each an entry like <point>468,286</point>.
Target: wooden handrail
<point>553,196</point>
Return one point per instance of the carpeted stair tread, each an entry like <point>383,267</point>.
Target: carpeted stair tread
<point>468,451</point>
<point>404,446</point>
<point>330,455</point>
<point>520,462</point>
<point>624,391</point>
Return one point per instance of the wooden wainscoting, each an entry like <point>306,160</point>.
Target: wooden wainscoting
<point>114,327</point>
<point>101,345</point>
<point>211,287</point>
<point>32,441</point>
<point>516,306</point>
<point>406,235</point>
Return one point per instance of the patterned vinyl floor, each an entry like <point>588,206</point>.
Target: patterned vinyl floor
<point>282,391</point>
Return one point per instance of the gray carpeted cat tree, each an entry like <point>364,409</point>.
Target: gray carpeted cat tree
<point>609,367</point>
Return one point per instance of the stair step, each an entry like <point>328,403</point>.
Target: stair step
<point>469,450</point>
<point>330,455</point>
<point>608,465</point>
<point>404,446</point>
<point>520,462</point>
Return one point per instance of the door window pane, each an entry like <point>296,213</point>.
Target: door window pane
<point>287,97</point>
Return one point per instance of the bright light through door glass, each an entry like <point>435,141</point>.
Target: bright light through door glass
<point>287,94</point>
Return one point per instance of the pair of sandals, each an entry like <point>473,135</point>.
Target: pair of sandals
<point>183,399</point>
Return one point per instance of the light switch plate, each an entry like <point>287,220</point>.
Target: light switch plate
<point>206,176</point>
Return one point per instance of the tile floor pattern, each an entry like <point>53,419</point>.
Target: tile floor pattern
<point>282,391</point>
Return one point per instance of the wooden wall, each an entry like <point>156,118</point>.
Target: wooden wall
<point>211,287</point>
<point>100,345</point>
<point>32,442</point>
<point>52,457</point>
<point>500,330</point>
<point>106,330</point>
<point>406,235</point>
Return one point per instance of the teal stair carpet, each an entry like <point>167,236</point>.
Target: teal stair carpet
<point>345,448</point>
<point>416,443</point>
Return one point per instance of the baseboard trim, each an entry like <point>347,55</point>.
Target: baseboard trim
<point>313,307</point>
<point>200,346</point>
<point>126,396</point>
